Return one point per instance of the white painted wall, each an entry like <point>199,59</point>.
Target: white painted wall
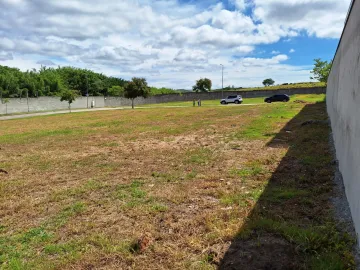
<point>343,103</point>
<point>17,105</point>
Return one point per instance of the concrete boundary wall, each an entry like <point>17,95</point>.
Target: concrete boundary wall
<point>25,105</point>
<point>343,105</point>
<point>117,102</point>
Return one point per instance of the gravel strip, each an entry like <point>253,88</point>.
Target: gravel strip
<point>341,205</point>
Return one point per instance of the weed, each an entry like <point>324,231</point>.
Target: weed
<point>313,241</point>
<point>61,248</point>
<point>69,211</point>
<point>281,193</point>
<point>327,261</point>
<point>241,199</point>
<point>159,207</point>
<point>110,144</point>
<point>200,156</point>
<point>191,175</point>
<point>36,235</point>
<point>165,177</point>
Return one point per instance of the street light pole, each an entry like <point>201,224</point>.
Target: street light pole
<point>87,92</point>
<point>222,80</point>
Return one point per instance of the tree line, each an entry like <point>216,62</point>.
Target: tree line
<point>54,81</point>
<point>49,81</point>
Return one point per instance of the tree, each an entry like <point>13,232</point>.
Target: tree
<point>202,85</point>
<point>116,91</point>
<point>98,87</point>
<point>5,101</point>
<point>321,70</point>
<point>69,96</point>
<point>138,87</point>
<point>52,81</point>
<point>268,82</point>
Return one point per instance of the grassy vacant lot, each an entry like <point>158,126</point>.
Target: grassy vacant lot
<point>234,187</point>
<point>246,101</point>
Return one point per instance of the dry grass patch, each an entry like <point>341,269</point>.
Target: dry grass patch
<point>160,189</point>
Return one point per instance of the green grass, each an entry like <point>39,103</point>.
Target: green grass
<point>321,242</point>
<point>157,207</point>
<point>284,194</point>
<point>262,127</point>
<point>257,100</point>
<point>278,87</point>
<point>34,136</point>
<point>242,199</point>
<point>253,169</point>
<point>63,217</point>
<point>133,196</point>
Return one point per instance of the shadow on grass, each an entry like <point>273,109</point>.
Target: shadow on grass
<point>291,226</point>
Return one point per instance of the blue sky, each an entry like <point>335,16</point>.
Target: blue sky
<point>306,49</point>
<point>172,43</point>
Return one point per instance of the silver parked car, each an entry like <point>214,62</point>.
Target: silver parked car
<point>232,99</point>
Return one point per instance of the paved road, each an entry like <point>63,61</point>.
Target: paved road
<point>19,116</point>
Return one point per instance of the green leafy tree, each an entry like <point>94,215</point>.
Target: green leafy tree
<point>48,81</point>
<point>202,85</point>
<point>268,82</point>
<point>138,87</point>
<point>52,81</point>
<point>69,96</point>
<point>162,91</point>
<point>98,87</point>
<point>321,70</point>
<point>116,91</point>
<point>5,101</point>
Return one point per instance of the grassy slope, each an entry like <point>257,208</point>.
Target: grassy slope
<point>81,189</point>
<point>276,87</point>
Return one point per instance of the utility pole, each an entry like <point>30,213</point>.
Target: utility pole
<point>87,92</point>
<point>222,80</point>
<point>27,99</point>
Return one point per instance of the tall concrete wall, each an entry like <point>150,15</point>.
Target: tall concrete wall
<point>24,105</point>
<point>116,101</point>
<point>17,105</point>
<point>343,103</point>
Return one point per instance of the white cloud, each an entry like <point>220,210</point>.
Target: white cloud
<point>262,62</point>
<point>6,56</point>
<point>240,4</point>
<point>170,42</point>
<point>189,56</point>
<point>233,21</point>
<point>6,44</point>
<point>244,49</point>
<point>291,51</point>
<point>322,18</point>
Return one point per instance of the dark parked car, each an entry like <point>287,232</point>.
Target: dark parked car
<point>275,98</point>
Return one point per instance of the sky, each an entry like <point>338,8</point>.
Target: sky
<point>173,43</point>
